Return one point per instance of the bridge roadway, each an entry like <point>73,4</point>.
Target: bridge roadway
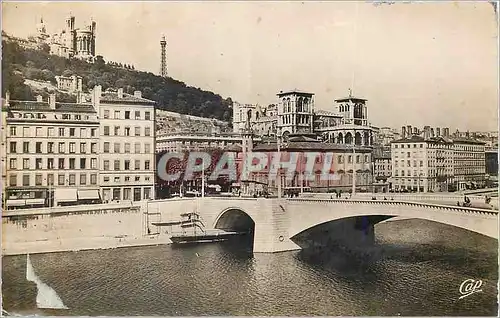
<point>295,223</point>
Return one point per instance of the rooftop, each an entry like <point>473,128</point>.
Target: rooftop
<point>109,96</point>
<point>44,106</point>
<point>294,91</point>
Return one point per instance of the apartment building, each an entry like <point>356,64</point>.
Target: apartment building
<point>436,164</point>
<point>179,142</point>
<point>469,163</point>
<point>127,143</point>
<point>51,153</point>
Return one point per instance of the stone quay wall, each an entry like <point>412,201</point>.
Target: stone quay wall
<point>76,228</point>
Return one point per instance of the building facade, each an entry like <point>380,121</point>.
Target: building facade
<point>469,163</point>
<point>52,152</point>
<point>180,142</point>
<point>437,164</point>
<point>127,143</point>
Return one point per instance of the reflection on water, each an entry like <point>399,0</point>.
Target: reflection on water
<point>415,268</point>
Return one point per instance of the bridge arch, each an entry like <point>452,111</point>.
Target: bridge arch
<point>234,219</point>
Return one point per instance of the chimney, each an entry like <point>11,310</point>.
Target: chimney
<point>79,97</point>
<point>52,101</point>
<point>438,132</point>
<point>415,130</point>
<point>39,98</point>
<point>7,98</point>
<point>408,131</point>
<point>79,85</point>
<point>446,132</point>
<point>427,132</point>
<point>432,132</point>
<point>138,94</point>
<point>403,132</point>
<point>120,93</point>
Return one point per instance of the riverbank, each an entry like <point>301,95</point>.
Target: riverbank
<point>80,244</point>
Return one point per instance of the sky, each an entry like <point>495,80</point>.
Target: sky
<point>433,63</point>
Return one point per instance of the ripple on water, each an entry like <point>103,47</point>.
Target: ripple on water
<point>415,269</point>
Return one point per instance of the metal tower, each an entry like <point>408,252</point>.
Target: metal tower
<point>163,44</point>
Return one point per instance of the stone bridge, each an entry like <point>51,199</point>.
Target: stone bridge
<point>290,224</point>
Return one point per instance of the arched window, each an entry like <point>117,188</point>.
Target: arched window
<point>299,104</point>
<point>305,105</point>
<point>284,105</point>
<point>288,105</point>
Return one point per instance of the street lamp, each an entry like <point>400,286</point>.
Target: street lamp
<point>353,166</point>
<point>279,158</point>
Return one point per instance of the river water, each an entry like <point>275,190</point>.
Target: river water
<point>415,268</point>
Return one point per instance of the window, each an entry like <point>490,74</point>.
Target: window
<point>127,193</point>
<point>26,180</point>
<point>60,179</point>
<point>62,149</point>
<point>72,179</point>
<point>106,179</point>
<point>117,164</point>
<point>366,158</point>
<point>137,165</point>
<point>50,147</point>
<point>106,130</point>
<point>147,131</point>
<point>26,163</point>
<point>127,178</point>
<point>106,147</point>
<point>72,147</point>
<point>38,131</point>
<point>93,132</point>
<point>72,132</point>
<point>13,147</point>
<point>38,179</point>
<point>349,159</point>
<point>127,131</point>
<point>51,132</point>
<point>127,164</point>
<point>61,163</point>
<point>93,147</point>
<point>72,163</point>
<point>26,147</point>
<point>50,179</point>
<point>147,193</point>
<point>137,114</point>
<point>13,180</point>
<point>61,132</point>
<point>93,179</point>
<point>146,165</point>
<point>357,159</point>
<point>13,131</point>
<point>13,163</point>
<point>137,178</point>
<point>117,130</point>
<point>147,116</point>
<point>117,114</point>
<point>117,147</point>
<point>106,113</point>
<point>137,131</point>
<point>127,147</point>
<point>38,163</point>
<point>127,114</point>
<point>147,148</point>
<point>83,163</point>
<point>83,178</point>
<point>93,163</point>
<point>50,163</point>
<point>106,164</point>
<point>408,154</point>
<point>83,133</point>
<point>116,194</point>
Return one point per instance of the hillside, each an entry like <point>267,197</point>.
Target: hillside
<point>19,64</point>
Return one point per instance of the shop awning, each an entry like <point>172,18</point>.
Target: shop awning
<point>35,201</point>
<point>16,202</point>
<point>88,194</point>
<point>65,195</point>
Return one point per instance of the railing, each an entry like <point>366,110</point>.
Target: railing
<point>402,203</point>
<point>76,209</point>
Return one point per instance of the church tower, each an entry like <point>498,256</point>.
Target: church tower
<point>163,44</point>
